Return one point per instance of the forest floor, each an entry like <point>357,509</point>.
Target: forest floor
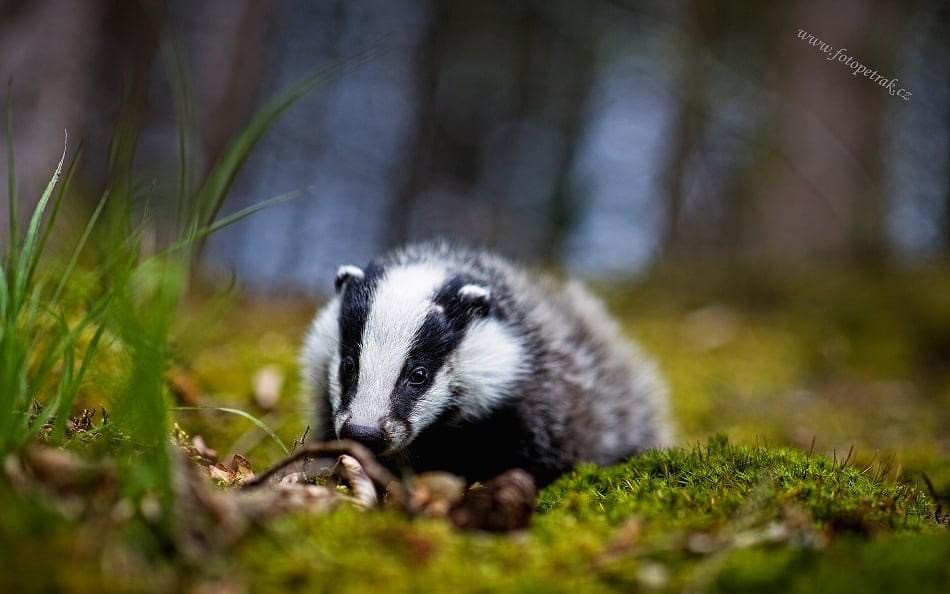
<point>813,417</point>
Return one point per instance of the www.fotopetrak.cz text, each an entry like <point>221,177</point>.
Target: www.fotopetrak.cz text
<point>857,68</point>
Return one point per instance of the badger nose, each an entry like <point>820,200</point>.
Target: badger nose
<point>371,437</point>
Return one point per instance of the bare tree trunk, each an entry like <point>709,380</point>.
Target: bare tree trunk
<point>71,67</point>
<point>545,82</point>
<point>824,196</point>
<point>563,207</point>
<point>229,65</point>
<point>419,158</point>
<point>943,35</point>
<point>45,48</point>
<point>946,191</point>
<point>688,128</point>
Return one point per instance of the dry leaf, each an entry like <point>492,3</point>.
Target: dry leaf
<point>183,386</point>
<point>202,449</point>
<point>221,473</point>
<point>434,494</point>
<point>242,469</point>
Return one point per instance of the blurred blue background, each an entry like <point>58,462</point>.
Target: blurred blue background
<point>601,137</point>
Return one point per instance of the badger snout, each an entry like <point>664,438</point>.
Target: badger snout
<point>372,437</point>
<point>384,437</point>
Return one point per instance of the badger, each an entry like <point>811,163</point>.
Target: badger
<point>440,357</point>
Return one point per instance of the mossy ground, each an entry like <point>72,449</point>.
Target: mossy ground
<point>671,520</point>
<point>830,392</point>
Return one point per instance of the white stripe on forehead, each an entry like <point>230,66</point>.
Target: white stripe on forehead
<point>402,300</point>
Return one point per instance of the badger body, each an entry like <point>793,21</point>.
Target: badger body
<point>442,358</point>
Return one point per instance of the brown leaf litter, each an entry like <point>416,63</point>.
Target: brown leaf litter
<point>215,504</point>
<point>322,476</point>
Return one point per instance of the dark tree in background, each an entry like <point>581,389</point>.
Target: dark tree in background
<point>940,59</point>
<point>602,136</point>
<point>502,88</point>
<point>807,178</point>
<point>825,196</point>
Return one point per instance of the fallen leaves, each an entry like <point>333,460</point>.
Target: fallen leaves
<point>215,503</point>
<point>58,470</point>
<point>74,485</point>
<point>202,450</point>
<point>183,386</point>
<point>502,504</point>
<point>236,473</point>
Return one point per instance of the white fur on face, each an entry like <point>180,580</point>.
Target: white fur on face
<point>433,402</point>
<point>488,361</point>
<point>333,379</point>
<point>403,299</point>
<point>320,360</point>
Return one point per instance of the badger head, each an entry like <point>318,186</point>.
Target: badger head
<point>403,347</point>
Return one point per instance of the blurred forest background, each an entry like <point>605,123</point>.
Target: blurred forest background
<point>598,136</point>
<point>773,228</point>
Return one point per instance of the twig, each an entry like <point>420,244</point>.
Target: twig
<point>301,440</point>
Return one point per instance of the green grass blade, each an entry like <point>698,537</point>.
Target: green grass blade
<point>57,203</point>
<point>219,180</point>
<point>50,356</point>
<point>23,429</point>
<point>31,307</point>
<point>55,407</point>
<point>68,397</point>
<point>122,150</point>
<point>234,411</point>
<point>222,175</point>
<point>229,220</point>
<point>79,247</point>
<point>180,80</point>
<point>3,297</point>
<point>28,253</point>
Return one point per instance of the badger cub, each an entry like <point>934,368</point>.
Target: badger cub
<point>441,358</point>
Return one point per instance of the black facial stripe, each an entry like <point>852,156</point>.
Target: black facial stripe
<point>456,309</point>
<point>355,304</point>
<point>437,337</point>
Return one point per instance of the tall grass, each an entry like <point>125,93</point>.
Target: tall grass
<point>49,340</point>
<point>25,319</point>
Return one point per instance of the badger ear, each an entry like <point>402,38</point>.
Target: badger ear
<point>477,298</point>
<point>344,274</point>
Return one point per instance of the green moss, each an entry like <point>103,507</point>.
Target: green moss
<point>917,563</point>
<point>705,485</point>
<point>223,359</point>
<point>843,357</point>
<point>600,529</point>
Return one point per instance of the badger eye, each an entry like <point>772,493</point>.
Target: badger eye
<point>347,366</point>
<point>418,376</point>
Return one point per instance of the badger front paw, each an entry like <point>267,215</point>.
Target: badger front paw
<point>503,504</point>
